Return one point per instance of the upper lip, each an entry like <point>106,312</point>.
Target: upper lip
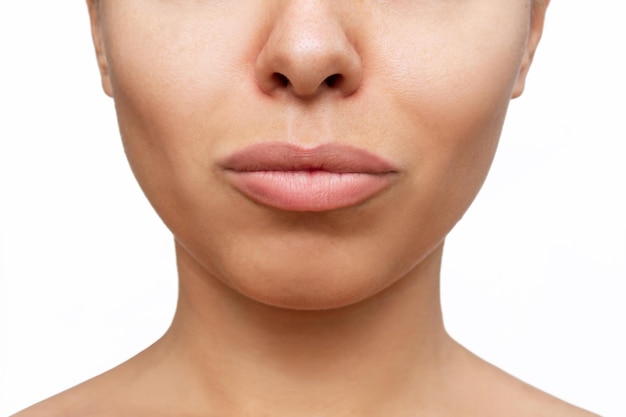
<point>330,157</point>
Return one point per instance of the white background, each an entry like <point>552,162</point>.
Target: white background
<point>533,278</point>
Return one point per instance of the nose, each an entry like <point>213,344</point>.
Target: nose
<point>308,52</point>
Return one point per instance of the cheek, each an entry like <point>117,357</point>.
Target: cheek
<point>453,90</point>
<point>445,99</point>
<point>161,75</point>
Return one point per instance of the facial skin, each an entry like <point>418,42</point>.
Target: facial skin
<point>326,312</point>
<point>424,84</point>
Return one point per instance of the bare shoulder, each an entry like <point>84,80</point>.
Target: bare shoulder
<point>71,403</point>
<point>84,400</point>
<point>534,402</point>
<point>126,390</point>
<point>509,396</point>
<point>103,395</point>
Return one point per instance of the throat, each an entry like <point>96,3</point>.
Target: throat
<point>247,355</point>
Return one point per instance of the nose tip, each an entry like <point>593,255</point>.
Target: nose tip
<point>308,55</point>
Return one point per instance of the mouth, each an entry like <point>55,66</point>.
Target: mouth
<point>292,178</point>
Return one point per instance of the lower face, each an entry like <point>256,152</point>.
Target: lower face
<point>431,86</point>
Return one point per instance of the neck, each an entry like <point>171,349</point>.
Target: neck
<point>248,357</point>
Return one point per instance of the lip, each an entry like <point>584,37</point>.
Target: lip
<point>292,178</point>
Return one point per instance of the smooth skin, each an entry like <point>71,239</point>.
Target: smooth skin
<point>307,314</point>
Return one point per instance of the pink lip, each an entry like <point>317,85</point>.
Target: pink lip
<point>292,178</point>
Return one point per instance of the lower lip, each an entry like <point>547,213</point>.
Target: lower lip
<point>308,191</point>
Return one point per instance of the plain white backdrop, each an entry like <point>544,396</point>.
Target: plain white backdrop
<point>533,276</point>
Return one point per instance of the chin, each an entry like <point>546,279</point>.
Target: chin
<point>298,281</point>
<point>307,290</point>
<point>308,294</point>
<point>309,262</point>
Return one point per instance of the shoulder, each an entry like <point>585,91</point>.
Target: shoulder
<point>104,395</point>
<point>126,390</point>
<point>501,394</point>
<point>96,397</point>
<point>518,399</point>
<point>92,398</point>
<point>66,404</point>
<point>534,402</point>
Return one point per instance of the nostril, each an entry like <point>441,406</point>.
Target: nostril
<point>280,79</point>
<point>333,80</point>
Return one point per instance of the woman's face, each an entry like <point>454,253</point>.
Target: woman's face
<point>391,110</point>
